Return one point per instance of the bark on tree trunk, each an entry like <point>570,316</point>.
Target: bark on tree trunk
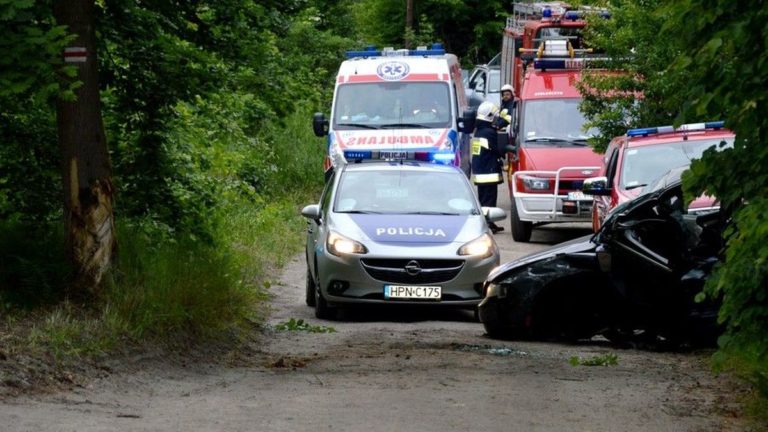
<point>86,168</point>
<point>408,23</point>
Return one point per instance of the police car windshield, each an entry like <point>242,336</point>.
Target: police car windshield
<point>412,104</point>
<point>554,121</point>
<point>405,192</point>
<point>643,165</point>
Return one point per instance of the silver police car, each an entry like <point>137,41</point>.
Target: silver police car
<point>398,232</point>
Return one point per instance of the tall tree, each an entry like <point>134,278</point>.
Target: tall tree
<point>86,168</point>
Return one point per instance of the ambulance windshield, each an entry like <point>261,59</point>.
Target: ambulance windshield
<point>383,105</point>
<point>554,121</point>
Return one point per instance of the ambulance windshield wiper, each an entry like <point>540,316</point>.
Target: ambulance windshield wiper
<point>404,125</point>
<point>359,125</point>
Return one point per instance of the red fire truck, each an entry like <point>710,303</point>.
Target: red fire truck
<point>549,155</point>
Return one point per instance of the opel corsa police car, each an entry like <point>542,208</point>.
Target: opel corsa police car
<point>398,232</point>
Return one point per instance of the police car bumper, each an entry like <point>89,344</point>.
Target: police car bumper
<point>551,208</point>
<point>432,278</point>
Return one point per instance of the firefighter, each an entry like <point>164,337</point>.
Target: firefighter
<point>507,99</point>
<point>486,159</point>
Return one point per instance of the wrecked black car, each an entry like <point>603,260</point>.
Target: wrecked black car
<point>638,275</point>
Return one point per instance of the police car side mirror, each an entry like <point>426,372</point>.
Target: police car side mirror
<point>467,121</point>
<point>319,124</point>
<point>494,214</point>
<point>311,211</point>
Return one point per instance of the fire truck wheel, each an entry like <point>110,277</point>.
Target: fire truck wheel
<point>521,230</point>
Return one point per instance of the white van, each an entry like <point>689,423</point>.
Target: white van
<point>398,105</point>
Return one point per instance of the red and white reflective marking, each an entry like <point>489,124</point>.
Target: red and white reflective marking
<point>75,55</point>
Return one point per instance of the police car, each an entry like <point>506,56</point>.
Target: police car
<point>404,232</point>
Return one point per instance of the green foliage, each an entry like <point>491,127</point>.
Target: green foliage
<point>299,325</point>
<point>700,61</point>
<point>598,360</point>
<point>33,266</point>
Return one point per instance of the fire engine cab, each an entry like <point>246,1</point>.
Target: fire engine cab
<point>398,105</point>
<point>549,156</point>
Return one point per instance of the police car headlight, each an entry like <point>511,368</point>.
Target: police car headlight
<point>482,247</point>
<point>339,245</point>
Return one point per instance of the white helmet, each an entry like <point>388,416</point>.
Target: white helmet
<point>487,111</point>
<point>507,87</point>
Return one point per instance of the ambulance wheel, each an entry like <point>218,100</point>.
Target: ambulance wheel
<point>310,294</point>
<point>521,230</point>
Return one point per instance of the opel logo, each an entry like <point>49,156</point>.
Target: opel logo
<point>413,268</point>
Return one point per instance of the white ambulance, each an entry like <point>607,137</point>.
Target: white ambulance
<point>398,105</point>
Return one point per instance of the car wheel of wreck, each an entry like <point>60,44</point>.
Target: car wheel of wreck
<point>310,289</point>
<point>521,230</point>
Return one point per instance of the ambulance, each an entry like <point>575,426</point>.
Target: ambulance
<point>398,105</point>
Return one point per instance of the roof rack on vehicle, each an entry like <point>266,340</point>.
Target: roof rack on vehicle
<point>671,129</point>
<point>370,51</point>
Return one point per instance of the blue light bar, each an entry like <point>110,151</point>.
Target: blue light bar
<point>573,15</point>
<point>426,52</point>
<point>443,157</point>
<point>354,155</point>
<point>670,129</point>
<point>371,51</point>
<point>546,13</point>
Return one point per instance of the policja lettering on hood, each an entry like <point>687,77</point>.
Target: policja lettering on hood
<point>415,231</point>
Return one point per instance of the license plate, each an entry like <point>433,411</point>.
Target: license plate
<point>412,292</point>
<point>578,196</point>
<point>393,155</point>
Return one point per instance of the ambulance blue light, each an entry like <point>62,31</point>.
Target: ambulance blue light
<point>426,52</point>
<point>715,125</point>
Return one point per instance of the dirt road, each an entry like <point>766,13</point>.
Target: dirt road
<point>395,370</point>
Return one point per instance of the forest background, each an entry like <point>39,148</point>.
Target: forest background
<point>206,107</point>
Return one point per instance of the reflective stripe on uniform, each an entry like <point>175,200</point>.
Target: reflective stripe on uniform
<point>478,144</point>
<point>486,178</point>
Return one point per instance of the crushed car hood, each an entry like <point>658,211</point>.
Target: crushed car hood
<point>581,244</point>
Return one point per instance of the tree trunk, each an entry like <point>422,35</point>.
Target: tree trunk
<point>86,168</point>
<point>408,23</point>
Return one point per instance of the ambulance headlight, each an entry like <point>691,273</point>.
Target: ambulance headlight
<point>340,245</point>
<point>481,247</point>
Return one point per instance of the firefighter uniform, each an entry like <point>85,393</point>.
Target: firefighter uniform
<point>486,163</point>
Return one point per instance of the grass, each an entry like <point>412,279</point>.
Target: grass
<point>300,325</point>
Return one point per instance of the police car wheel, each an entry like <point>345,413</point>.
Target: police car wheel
<point>521,230</point>
<point>322,310</point>
<point>310,294</point>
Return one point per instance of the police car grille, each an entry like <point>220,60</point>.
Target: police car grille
<point>393,270</point>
